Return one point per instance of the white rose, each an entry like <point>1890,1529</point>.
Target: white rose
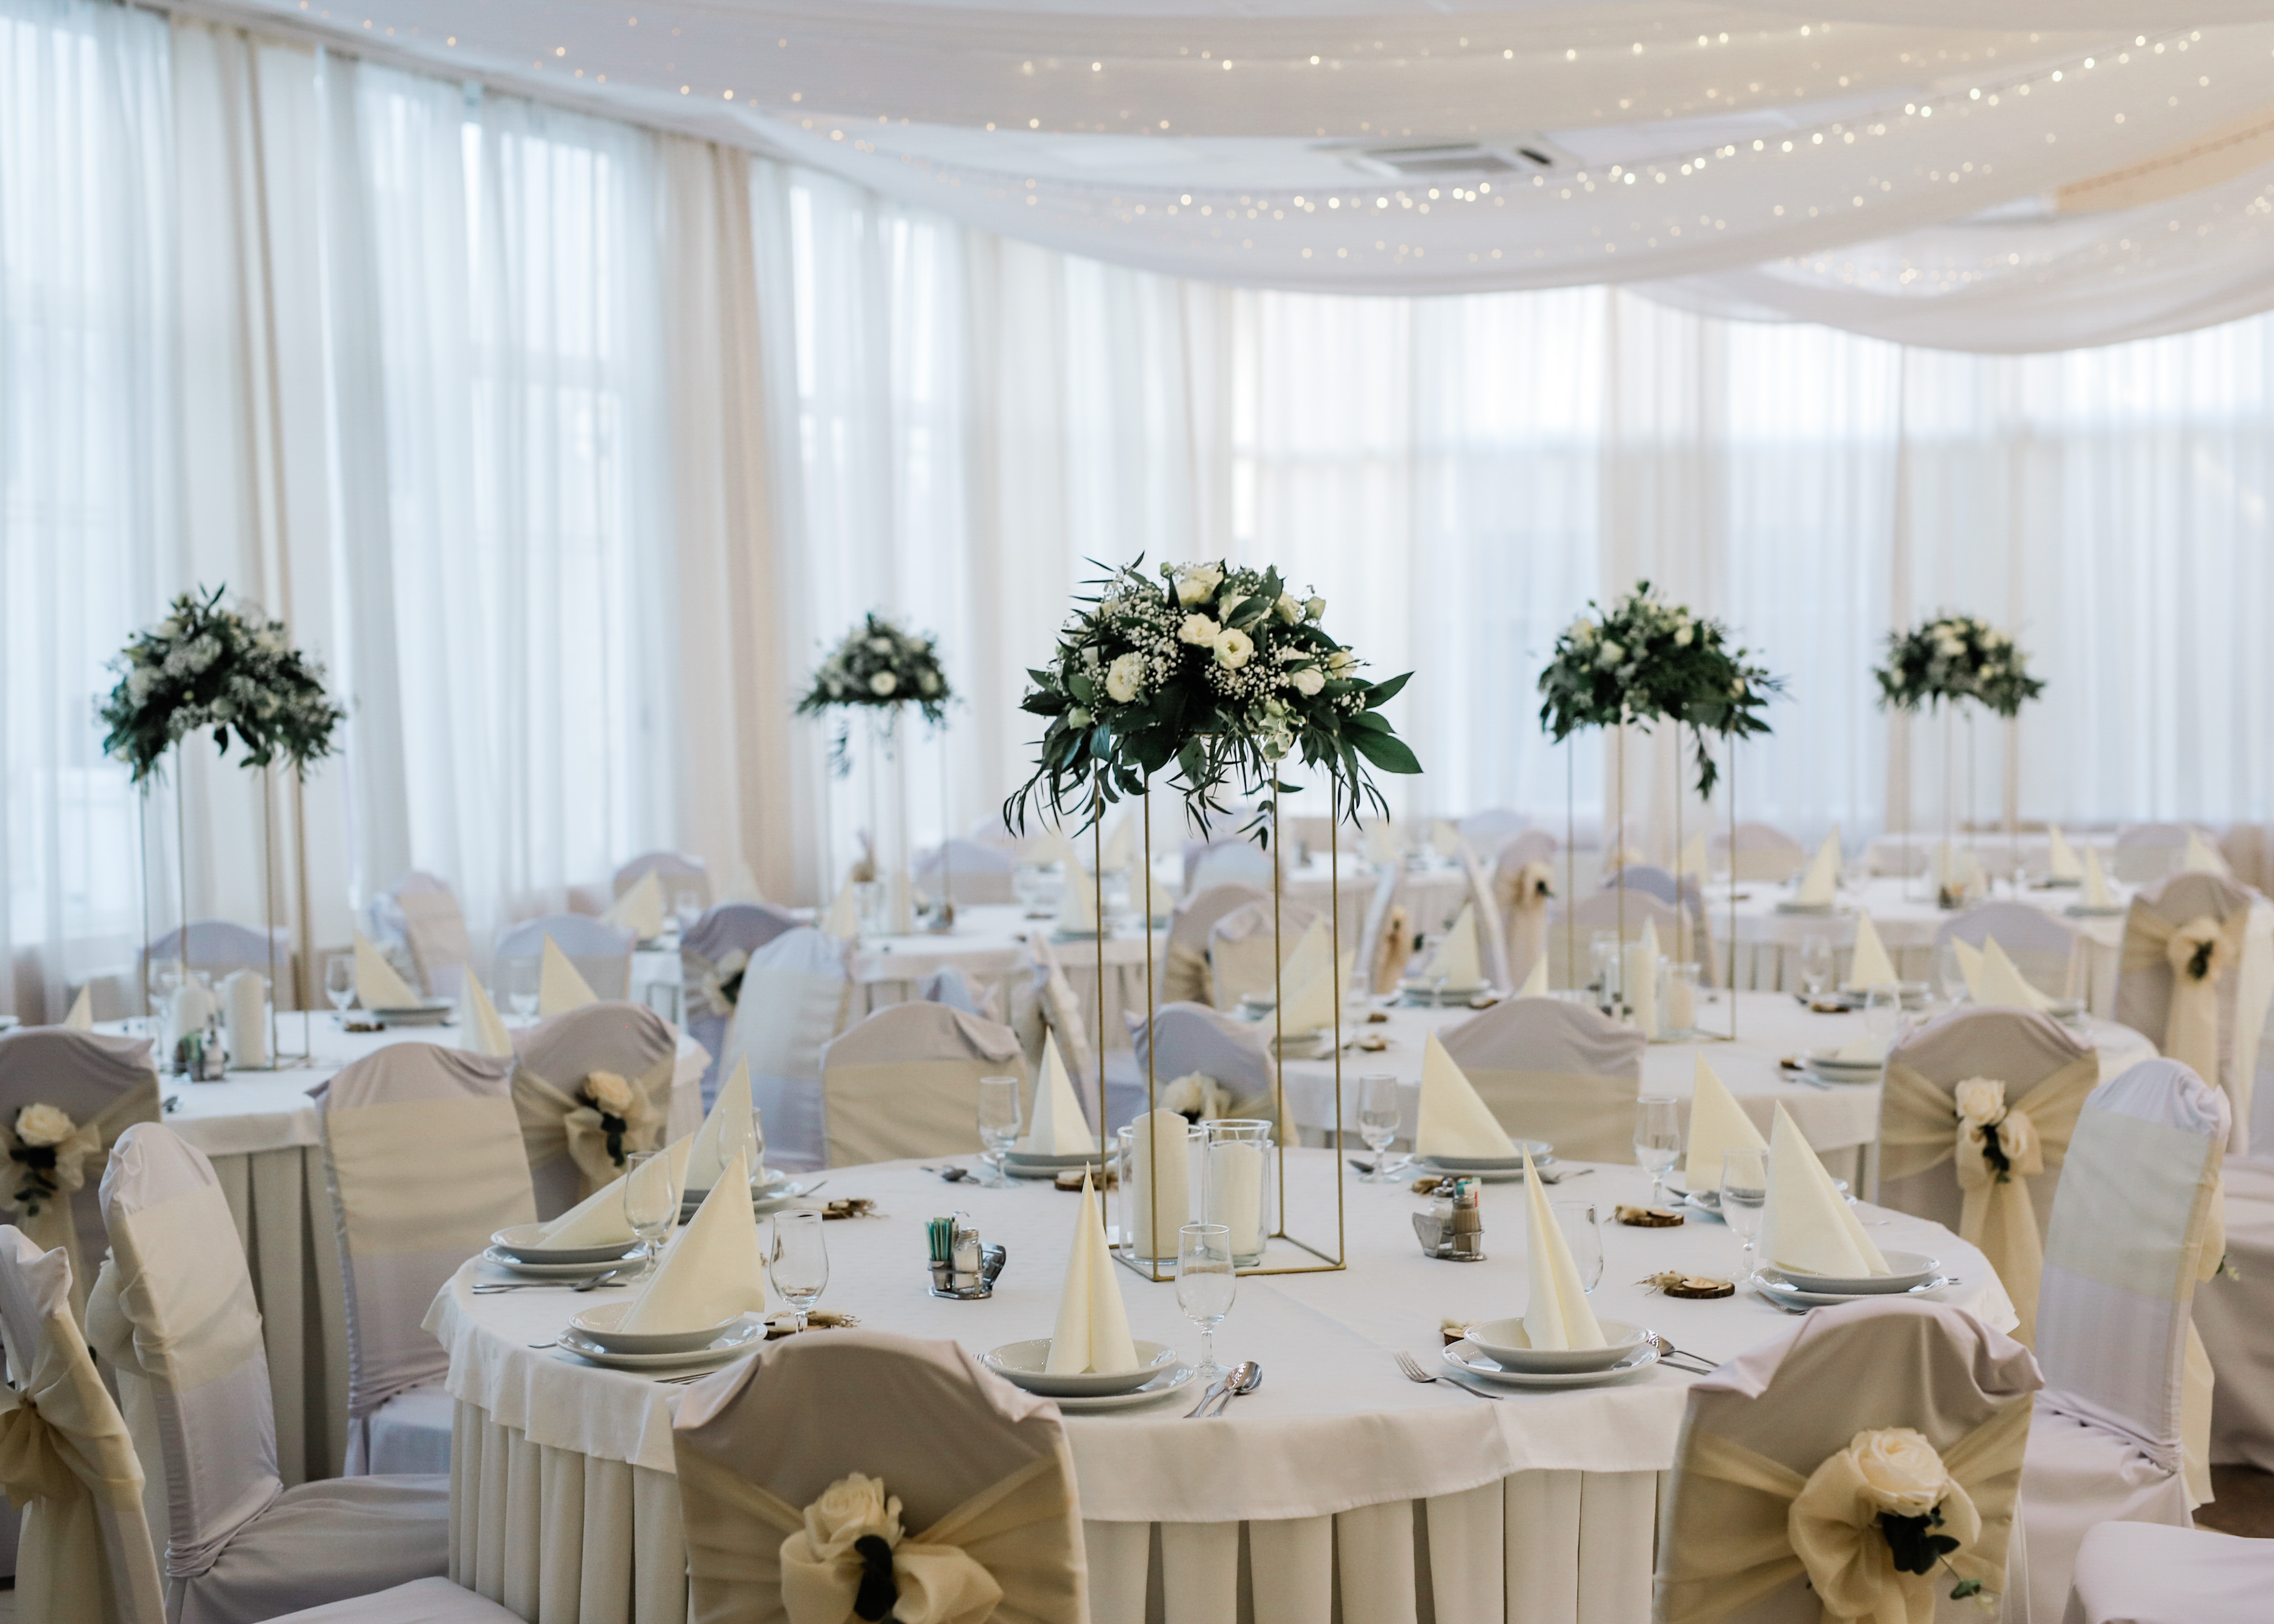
<point>610,1092</point>
<point>1196,583</point>
<point>1308,681</point>
<point>1316,609</point>
<point>1078,718</point>
<point>883,683</point>
<point>1583,631</point>
<point>1340,661</point>
<point>1682,635</point>
<point>1610,654</point>
<point>1233,649</point>
<point>1901,1471</point>
<point>1980,1102</point>
<point>929,682</point>
<point>1287,609</point>
<point>41,1125</point>
<point>880,645</point>
<point>1196,1098</point>
<point>850,1510</point>
<point>1125,677</point>
<point>1198,628</point>
<point>1949,648</point>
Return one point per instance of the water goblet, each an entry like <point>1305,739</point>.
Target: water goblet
<point>521,977</point>
<point>1949,972</point>
<point>1744,1192</point>
<point>1205,1285</point>
<point>1380,1112</point>
<point>339,982</point>
<point>798,1260</point>
<point>650,1202</point>
<point>1657,1139</point>
<point>1883,1014</point>
<point>999,1125</point>
<point>1583,1233</point>
<point>1815,963</point>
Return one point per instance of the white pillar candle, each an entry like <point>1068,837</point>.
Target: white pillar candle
<point>246,1011</point>
<point>1235,1193</point>
<point>1681,1003</point>
<point>1638,981</point>
<point>1160,1183</point>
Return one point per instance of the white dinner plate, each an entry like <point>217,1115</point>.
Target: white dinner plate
<point>1814,910</point>
<point>1905,1269</point>
<point>524,1242</point>
<point>558,1271</point>
<point>1051,1159</point>
<point>750,1334</point>
<point>2078,909</point>
<point>1160,1387</point>
<point>1024,1365</point>
<point>415,1015</point>
<point>1468,1357</point>
<point>1793,1295</point>
<point>1030,1169</point>
<point>599,1327</point>
<point>1506,1343</point>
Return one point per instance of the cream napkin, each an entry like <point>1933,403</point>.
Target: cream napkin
<point>81,1018</point>
<point>1557,1314</point>
<point>1056,1126</point>
<point>1093,1329</point>
<point>1970,965</point>
<point>1456,958</point>
<point>560,989</point>
<point>598,1219</point>
<point>1535,985</point>
<point>377,985</point>
<point>1806,1224</point>
<point>2061,861</point>
<point>2201,857</point>
<point>1693,858</point>
<point>1717,1124</point>
<point>1445,841</point>
<point>1077,903</point>
<point>480,1018</point>
<point>1819,886</point>
<point>2096,894</point>
<point>640,908</point>
<point>726,1127</point>
<point>1866,1047</point>
<point>2003,985</point>
<point>1380,842</point>
<point>1871,967</point>
<point>1453,1120</point>
<point>714,1271</point>
<point>844,920</point>
<point>1310,1006</point>
<point>742,885</point>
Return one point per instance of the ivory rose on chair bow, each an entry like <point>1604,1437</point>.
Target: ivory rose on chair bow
<point>50,1149</point>
<point>1995,1140</point>
<point>611,1101</point>
<point>2199,954</point>
<point>1876,1520</point>
<point>853,1560</point>
<point>54,1158</point>
<point>1196,1098</point>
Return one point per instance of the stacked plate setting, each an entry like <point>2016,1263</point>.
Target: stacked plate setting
<point>1828,1066</point>
<point>1491,1169</point>
<point>430,1014</point>
<point>1428,993</point>
<point>1910,1274</point>
<point>593,1335</point>
<point>1499,1352</point>
<point>1159,1373</point>
<point>522,1249</point>
<point>1047,1164</point>
<point>779,1190</point>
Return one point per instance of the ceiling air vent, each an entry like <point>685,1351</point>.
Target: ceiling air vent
<point>1446,158</point>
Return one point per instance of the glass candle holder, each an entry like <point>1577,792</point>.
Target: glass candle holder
<point>1235,1177</point>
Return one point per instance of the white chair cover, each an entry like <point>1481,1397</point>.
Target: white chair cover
<point>2144,852</point>
<point>1532,845</point>
<point>1523,888</point>
<point>1554,1070</point>
<point>173,1312</point>
<point>1936,1164</point>
<point>2232,1311</point>
<point>980,1471</point>
<point>105,1085</point>
<point>422,1601</point>
<point>1234,859</point>
<point>1602,912</point>
<point>1185,978</point>
<point>974,873</point>
<point>1245,952</point>
<point>1059,1009</point>
<point>950,986</point>
<point>712,955</point>
<point>1763,1522</point>
<point>601,952</point>
<point>793,994</point>
<point>905,1082</point>
<point>2137,1573</point>
<point>1759,851</point>
<point>434,928</point>
<point>2122,1424</point>
<point>1196,1041</point>
<point>563,1130</point>
<point>66,1460</point>
<point>2196,976</point>
<point>673,872</point>
<point>424,1150</point>
<point>1491,927</point>
<point>219,948</point>
<point>2050,952</point>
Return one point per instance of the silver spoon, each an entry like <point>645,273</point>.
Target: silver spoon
<point>1246,1376</point>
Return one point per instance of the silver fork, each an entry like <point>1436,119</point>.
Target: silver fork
<point>1412,1366</point>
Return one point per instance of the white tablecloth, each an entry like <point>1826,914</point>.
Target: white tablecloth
<point>1542,1507</point>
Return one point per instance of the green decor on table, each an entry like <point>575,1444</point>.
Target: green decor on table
<point>877,668</point>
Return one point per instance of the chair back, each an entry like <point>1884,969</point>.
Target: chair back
<point>173,1312</point>
<point>1374,922</point>
<point>1555,1071</point>
<point>2138,1221</point>
<point>1530,845</point>
<point>1191,1039</point>
<point>1493,828</point>
<point>673,872</point>
<point>1058,1009</point>
<point>1491,925</point>
<point>1570,950</point>
<point>2048,952</point>
<point>104,1085</point>
<point>1244,952</point>
<point>221,947</point>
<point>712,955</point>
<point>2146,852</point>
<point>975,1466</point>
<point>1762,1445</point>
<point>793,993</point>
<point>435,928</point>
<point>2196,975</point>
<point>1185,978</point>
<point>83,1550</point>
<point>905,1082</point>
<point>424,1153</point>
<point>601,952</point>
<point>974,872</point>
<point>950,986</point>
<point>1233,860</point>
<point>563,1131</point>
<point>1760,851</point>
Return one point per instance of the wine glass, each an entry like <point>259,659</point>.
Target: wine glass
<point>339,982</point>
<point>999,1125</point>
<point>1583,1233</point>
<point>1205,1285</point>
<point>1883,1014</point>
<point>650,1202</point>
<point>1949,973</point>
<point>1744,1192</point>
<point>1657,1138</point>
<point>1380,1113</point>
<point>1815,963</point>
<point>521,984</point>
<point>798,1261</point>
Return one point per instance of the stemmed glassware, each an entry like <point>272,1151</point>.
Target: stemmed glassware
<point>1883,1014</point>
<point>798,1261</point>
<point>999,1125</point>
<point>650,1202</point>
<point>1583,1233</point>
<point>1380,1114</point>
<point>1657,1139</point>
<point>1205,1283</point>
<point>1744,1192</point>
<point>521,985</point>
<point>339,981</point>
<point>1815,964</point>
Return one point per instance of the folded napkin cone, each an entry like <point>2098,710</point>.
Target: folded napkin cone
<point>1717,1124</point>
<point>1557,1314</point>
<point>1452,1120</point>
<point>599,1220</point>
<point>378,987</point>
<point>714,1271</point>
<point>559,988</point>
<point>1807,1224</point>
<point>1093,1329</point>
<point>1057,1126</point>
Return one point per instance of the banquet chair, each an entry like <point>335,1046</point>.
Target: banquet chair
<point>1772,1435</point>
<point>1184,976</point>
<point>435,929</point>
<point>1548,1068</point>
<point>2143,1573</point>
<point>2196,975</point>
<point>1603,911</point>
<point>1687,894</point>
<point>2122,1426</point>
<point>561,1128</point>
<point>713,954</point>
<point>1372,923</point>
<point>1232,859</point>
<point>950,986</point>
<point>1493,828</point>
<point>104,1085</point>
<point>2049,952</point>
<point>601,952</point>
<point>793,999</point>
<point>673,872</point>
<point>2144,852</point>
<point>975,874</point>
<point>1191,1039</point>
<point>1044,1000</point>
<point>905,1082</point>
<point>219,948</point>
<point>172,1311</point>
<point>979,1471</point>
<point>1491,925</point>
<point>84,1550</point>
<point>1246,953</point>
<point>2047,1071</point>
<point>423,1157</point>
<point>1759,851</point>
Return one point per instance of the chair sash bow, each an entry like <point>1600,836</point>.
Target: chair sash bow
<point>32,1465</point>
<point>1396,948</point>
<point>1185,978</point>
<point>714,988</point>
<point>582,1127</point>
<point>852,1560</point>
<point>1524,895</point>
<point>47,1168</point>
<point>2198,953</point>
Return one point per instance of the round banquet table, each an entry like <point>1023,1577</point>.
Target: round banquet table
<point>260,1130</point>
<point>1337,1473</point>
<point>1834,1118</point>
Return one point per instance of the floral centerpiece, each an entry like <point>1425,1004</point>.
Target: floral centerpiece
<point>1218,671</point>
<point>1645,660</point>
<point>232,670</point>
<point>1954,657</point>
<point>877,667</point>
